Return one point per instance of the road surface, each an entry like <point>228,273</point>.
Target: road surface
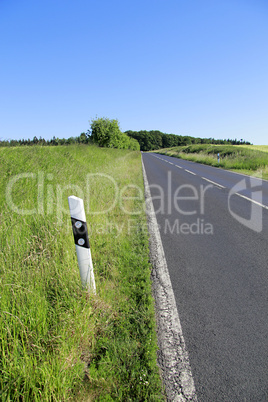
<point>215,241</point>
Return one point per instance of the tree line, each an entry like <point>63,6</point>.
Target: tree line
<point>106,133</point>
<point>154,139</point>
<point>81,139</point>
<point>103,132</point>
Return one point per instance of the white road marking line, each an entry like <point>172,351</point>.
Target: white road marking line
<point>189,171</point>
<point>250,199</point>
<point>213,182</point>
<point>219,185</point>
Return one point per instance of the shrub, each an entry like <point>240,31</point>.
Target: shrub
<point>107,133</point>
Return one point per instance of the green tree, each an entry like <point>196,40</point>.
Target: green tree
<point>82,139</point>
<point>107,133</point>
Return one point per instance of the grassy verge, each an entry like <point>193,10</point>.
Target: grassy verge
<point>58,343</point>
<point>244,159</point>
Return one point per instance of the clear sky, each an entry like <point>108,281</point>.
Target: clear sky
<point>189,67</point>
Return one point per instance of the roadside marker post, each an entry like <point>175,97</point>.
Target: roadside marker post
<point>80,232</point>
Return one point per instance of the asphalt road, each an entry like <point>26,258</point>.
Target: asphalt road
<point>216,246</point>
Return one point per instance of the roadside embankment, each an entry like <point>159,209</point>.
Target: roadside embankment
<point>57,342</point>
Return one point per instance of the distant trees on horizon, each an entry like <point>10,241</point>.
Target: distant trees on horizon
<point>103,132</point>
<point>154,139</point>
<point>106,133</point>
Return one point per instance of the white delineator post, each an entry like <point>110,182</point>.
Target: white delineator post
<point>83,252</point>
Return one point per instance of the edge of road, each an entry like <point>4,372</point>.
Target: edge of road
<point>173,357</point>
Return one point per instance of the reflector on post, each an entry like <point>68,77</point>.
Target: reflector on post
<point>79,225</point>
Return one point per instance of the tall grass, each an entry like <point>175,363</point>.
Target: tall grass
<point>239,158</point>
<point>57,342</point>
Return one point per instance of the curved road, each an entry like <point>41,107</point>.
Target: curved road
<point>214,229</point>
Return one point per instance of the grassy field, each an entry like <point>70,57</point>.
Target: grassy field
<point>251,160</point>
<point>57,342</point>
<point>263,148</point>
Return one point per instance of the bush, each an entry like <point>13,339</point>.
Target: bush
<point>107,133</point>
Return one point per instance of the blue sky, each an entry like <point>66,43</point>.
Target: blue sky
<point>189,67</point>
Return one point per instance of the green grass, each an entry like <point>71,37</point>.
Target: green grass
<point>244,159</point>
<point>57,342</point>
<point>263,148</point>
